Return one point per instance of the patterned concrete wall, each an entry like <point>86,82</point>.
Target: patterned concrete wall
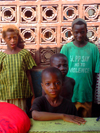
<point>45,25</point>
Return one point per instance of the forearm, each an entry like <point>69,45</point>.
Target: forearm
<point>94,82</point>
<point>46,116</point>
<point>30,81</point>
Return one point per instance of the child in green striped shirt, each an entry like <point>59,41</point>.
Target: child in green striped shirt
<point>15,64</point>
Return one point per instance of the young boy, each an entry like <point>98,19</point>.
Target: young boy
<point>60,61</point>
<point>83,61</point>
<point>52,106</point>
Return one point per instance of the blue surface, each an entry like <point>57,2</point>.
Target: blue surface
<point>36,80</point>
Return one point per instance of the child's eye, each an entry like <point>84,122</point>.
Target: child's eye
<point>58,66</point>
<point>65,65</point>
<point>15,37</point>
<point>82,32</point>
<point>47,84</point>
<point>9,38</point>
<point>76,32</point>
<point>57,83</point>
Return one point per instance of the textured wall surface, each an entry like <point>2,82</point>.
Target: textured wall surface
<point>45,25</point>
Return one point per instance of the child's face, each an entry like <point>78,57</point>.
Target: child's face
<point>51,83</point>
<point>79,32</point>
<point>11,39</point>
<point>61,63</point>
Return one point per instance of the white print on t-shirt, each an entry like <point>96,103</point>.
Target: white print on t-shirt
<point>79,64</point>
<point>79,70</point>
<point>79,58</point>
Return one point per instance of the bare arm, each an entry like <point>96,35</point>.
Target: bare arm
<point>46,116</point>
<point>94,83</point>
<point>30,82</point>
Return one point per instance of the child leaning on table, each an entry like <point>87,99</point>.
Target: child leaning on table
<point>15,64</point>
<point>83,61</point>
<point>60,61</point>
<point>52,106</point>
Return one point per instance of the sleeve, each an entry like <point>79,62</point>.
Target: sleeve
<point>0,61</point>
<point>74,111</point>
<point>29,61</point>
<point>99,62</point>
<point>37,104</point>
<point>62,51</point>
<point>69,107</point>
<point>72,82</point>
<point>2,55</point>
<point>96,60</point>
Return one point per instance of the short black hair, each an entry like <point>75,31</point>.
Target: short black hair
<point>55,56</point>
<point>52,70</point>
<point>79,21</point>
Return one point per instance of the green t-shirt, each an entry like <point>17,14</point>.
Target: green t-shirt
<point>82,63</point>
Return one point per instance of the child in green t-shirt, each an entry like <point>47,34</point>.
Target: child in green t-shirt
<point>83,61</point>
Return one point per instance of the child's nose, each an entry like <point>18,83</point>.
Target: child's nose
<point>12,40</point>
<point>62,68</point>
<point>79,34</point>
<point>52,86</point>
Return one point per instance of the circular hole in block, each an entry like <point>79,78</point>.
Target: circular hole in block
<point>27,35</point>
<point>91,12</point>
<point>49,13</point>
<point>90,34</point>
<point>68,34</point>
<point>28,14</point>
<point>70,12</point>
<point>48,35</point>
<point>7,13</point>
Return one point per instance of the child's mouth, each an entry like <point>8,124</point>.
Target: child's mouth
<point>13,45</point>
<point>53,92</point>
<point>63,72</point>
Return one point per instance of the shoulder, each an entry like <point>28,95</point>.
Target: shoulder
<point>39,103</point>
<point>66,47</point>
<point>68,44</point>
<point>71,80</point>
<point>92,45</point>
<point>39,99</point>
<point>68,104</point>
<point>24,51</point>
<point>94,49</point>
<point>2,55</point>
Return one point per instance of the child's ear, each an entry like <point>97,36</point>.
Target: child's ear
<point>42,85</point>
<point>72,34</point>
<point>86,30</point>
